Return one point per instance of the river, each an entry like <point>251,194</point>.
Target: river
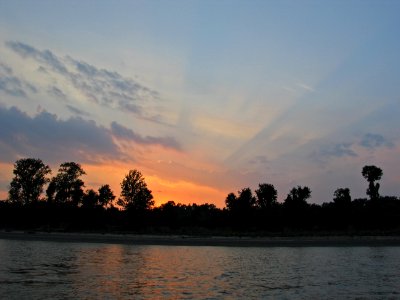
<point>54,270</point>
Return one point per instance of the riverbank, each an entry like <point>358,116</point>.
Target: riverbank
<point>183,240</point>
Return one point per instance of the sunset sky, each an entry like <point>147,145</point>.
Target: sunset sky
<point>204,97</point>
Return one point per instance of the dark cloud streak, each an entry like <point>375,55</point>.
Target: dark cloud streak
<point>77,111</point>
<point>372,141</point>
<point>12,85</point>
<point>326,152</point>
<point>124,133</point>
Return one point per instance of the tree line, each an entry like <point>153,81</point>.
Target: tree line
<point>37,201</point>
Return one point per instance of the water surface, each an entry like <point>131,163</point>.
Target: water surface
<point>40,270</point>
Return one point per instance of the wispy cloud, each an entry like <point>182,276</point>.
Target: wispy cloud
<point>372,141</point>
<point>326,152</point>
<point>100,86</point>
<point>124,133</point>
<point>13,85</point>
<point>77,111</point>
<point>305,87</point>
<point>56,92</point>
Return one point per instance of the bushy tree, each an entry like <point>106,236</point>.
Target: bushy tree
<point>135,195</point>
<point>342,198</point>
<point>66,186</point>
<point>245,201</point>
<point>297,197</point>
<point>266,196</point>
<point>90,199</point>
<point>29,179</point>
<point>230,201</point>
<point>106,196</point>
<point>372,174</point>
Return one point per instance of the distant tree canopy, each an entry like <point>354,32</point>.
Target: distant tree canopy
<point>29,179</point>
<point>342,198</point>
<point>102,198</point>
<point>135,195</point>
<point>66,186</point>
<point>244,202</point>
<point>106,196</point>
<point>267,196</point>
<point>297,197</point>
<point>69,207</point>
<point>372,174</point>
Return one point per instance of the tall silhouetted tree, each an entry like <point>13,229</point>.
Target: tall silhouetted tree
<point>297,197</point>
<point>66,186</point>
<point>134,192</point>
<point>29,179</point>
<point>106,196</point>
<point>266,196</point>
<point>372,174</point>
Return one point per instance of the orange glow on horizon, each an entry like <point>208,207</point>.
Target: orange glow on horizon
<point>163,190</point>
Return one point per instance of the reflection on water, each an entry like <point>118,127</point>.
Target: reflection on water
<point>44,270</point>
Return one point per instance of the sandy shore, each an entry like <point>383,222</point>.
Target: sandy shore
<point>180,240</point>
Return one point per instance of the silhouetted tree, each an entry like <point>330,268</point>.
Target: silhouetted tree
<point>90,199</point>
<point>244,202</point>
<point>66,186</point>
<point>134,192</point>
<point>342,198</point>
<point>297,197</point>
<point>230,201</point>
<point>106,196</point>
<point>29,179</point>
<point>372,174</point>
<point>266,196</point>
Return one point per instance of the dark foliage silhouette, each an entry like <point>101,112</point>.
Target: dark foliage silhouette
<point>244,202</point>
<point>106,196</point>
<point>267,196</point>
<point>342,198</point>
<point>69,208</point>
<point>66,186</point>
<point>372,174</point>
<point>297,197</point>
<point>29,179</point>
<point>134,192</point>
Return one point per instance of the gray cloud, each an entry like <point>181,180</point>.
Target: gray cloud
<point>12,85</point>
<point>336,150</point>
<point>77,111</point>
<point>55,91</point>
<point>124,133</point>
<point>100,86</point>
<point>48,137</point>
<point>45,56</point>
<point>372,141</point>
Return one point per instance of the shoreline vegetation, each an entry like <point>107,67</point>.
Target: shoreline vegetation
<point>64,208</point>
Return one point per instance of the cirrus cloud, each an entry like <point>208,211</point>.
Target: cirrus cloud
<point>97,85</point>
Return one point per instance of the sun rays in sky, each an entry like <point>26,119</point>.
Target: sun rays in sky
<point>203,97</point>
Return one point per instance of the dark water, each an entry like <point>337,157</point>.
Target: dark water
<point>51,270</point>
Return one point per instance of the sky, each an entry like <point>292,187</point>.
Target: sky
<point>204,97</point>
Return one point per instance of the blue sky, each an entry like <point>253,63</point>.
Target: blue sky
<point>205,97</point>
